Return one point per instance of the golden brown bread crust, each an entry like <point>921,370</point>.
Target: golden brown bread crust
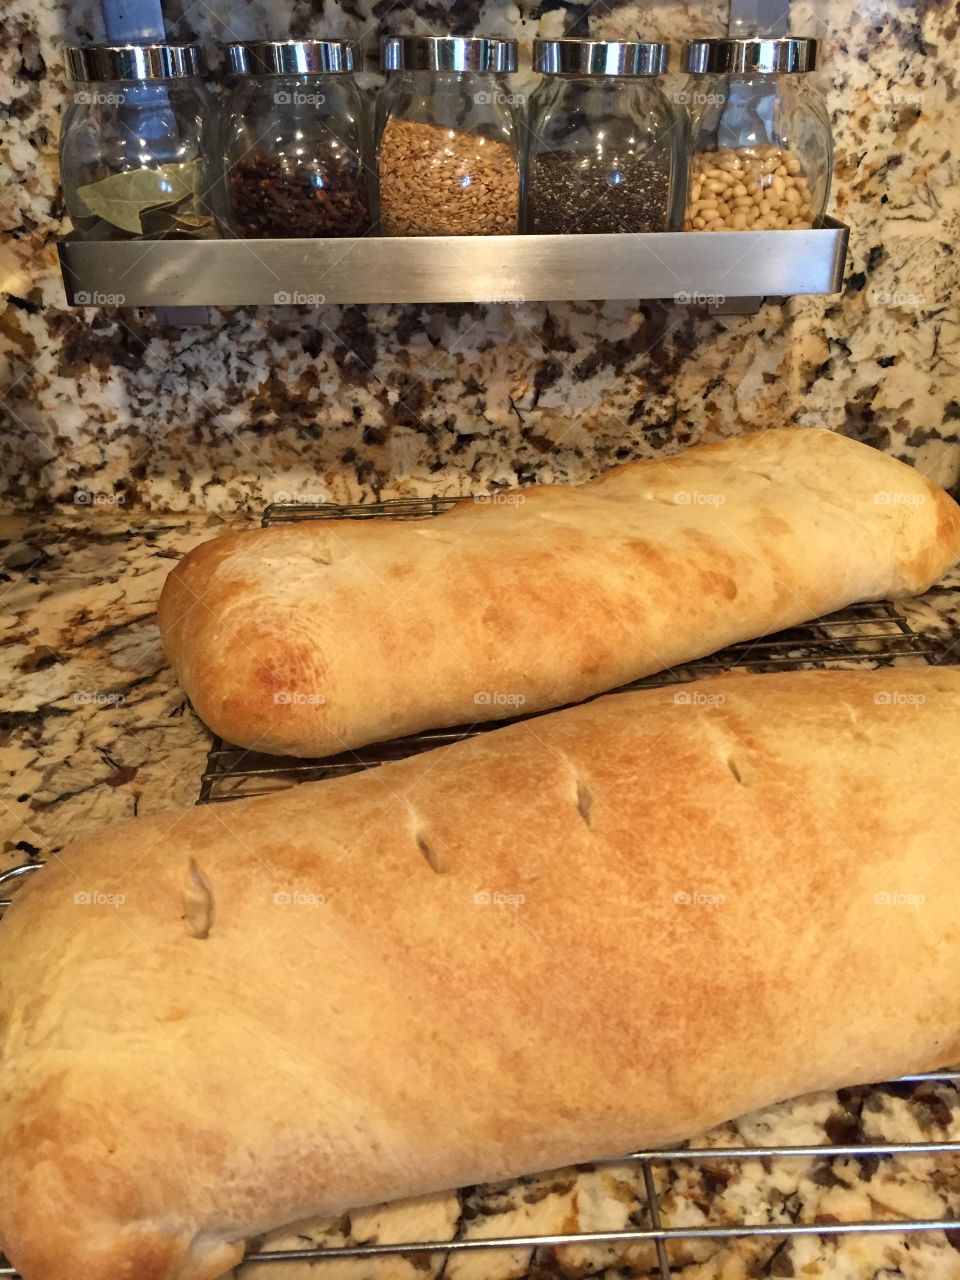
<point>313,638</point>
<point>688,908</point>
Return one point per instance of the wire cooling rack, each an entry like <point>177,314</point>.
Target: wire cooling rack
<point>872,634</point>
<point>863,635</point>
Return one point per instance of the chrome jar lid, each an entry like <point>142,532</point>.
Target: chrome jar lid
<point>293,57</point>
<point>600,57</point>
<point>448,53</point>
<point>783,55</point>
<point>93,62</point>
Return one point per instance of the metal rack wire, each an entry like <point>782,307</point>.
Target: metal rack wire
<point>863,635</point>
<point>872,634</point>
<point>657,1233</point>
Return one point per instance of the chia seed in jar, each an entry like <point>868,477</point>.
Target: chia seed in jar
<point>584,194</point>
<point>603,147</point>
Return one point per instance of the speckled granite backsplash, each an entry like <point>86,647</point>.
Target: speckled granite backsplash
<point>348,402</point>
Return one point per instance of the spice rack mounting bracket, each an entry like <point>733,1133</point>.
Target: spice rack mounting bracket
<point>725,270</point>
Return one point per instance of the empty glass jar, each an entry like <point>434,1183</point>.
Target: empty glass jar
<point>603,147</point>
<point>761,147</point>
<point>133,145</point>
<point>293,141</point>
<point>447,143</point>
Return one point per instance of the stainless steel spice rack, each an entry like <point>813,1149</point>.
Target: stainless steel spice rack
<point>722,269</point>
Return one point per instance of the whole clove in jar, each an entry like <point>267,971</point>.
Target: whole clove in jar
<point>293,142</point>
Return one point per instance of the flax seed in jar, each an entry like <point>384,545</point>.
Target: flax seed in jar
<point>448,155</point>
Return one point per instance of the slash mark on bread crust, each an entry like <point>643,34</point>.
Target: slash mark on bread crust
<point>429,854</point>
<point>198,903</point>
<point>584,800</point>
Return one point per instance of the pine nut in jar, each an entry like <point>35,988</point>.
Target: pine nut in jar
<point>743,189</point>
<point>761,149</point>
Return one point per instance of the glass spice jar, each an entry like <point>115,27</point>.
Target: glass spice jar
<point>762,151</point>
<point>293,142</point>
<point>603,147</point>
<point>447,145</point>
<point>134,142</point>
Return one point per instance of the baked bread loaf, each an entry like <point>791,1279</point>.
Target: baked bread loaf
<point>606,928</point>
<point>313,638</point>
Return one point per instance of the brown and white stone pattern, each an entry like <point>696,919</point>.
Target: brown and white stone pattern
<point>349,402</point>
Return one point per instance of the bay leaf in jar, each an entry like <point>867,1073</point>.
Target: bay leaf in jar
<point>123,198</point>
<point>188,218</point>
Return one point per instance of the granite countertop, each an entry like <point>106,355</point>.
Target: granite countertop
<point>347,401</point>
<point>95,730</point>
